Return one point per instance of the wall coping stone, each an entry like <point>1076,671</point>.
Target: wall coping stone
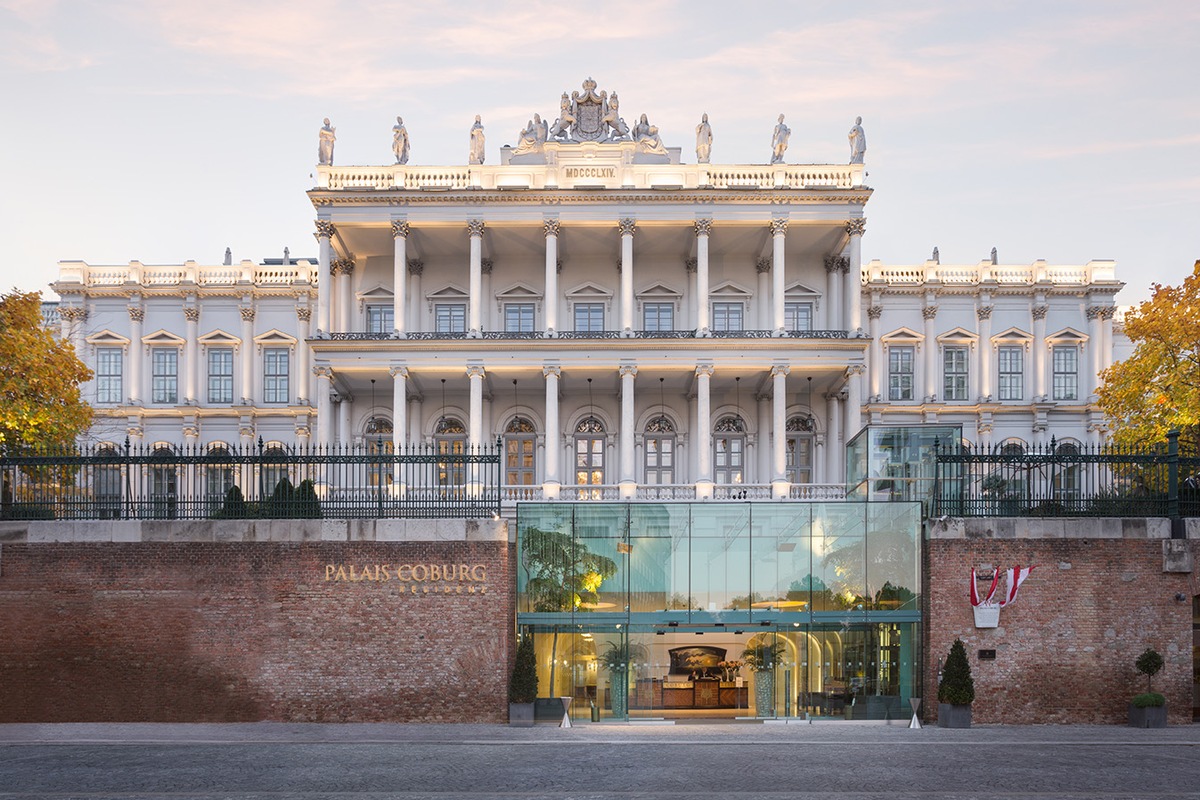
<point>1055,528</point>
<point>251,530</point>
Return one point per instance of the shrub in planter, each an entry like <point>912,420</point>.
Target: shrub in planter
<point>616,659</point>
<point>956,692</point>
<point>761,658</point>
<point>523,685</point>
<point>1149,709</point>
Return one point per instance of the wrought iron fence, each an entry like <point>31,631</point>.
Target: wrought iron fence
<point>1067,480</point>
<point>221,482</point>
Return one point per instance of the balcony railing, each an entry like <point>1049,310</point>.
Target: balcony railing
<point>805,492</point>
<point>373,336</point>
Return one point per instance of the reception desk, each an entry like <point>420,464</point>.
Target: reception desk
<point>703,693</point>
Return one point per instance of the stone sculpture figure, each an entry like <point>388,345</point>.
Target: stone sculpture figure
<point>936,257</point>
<point>612,119</point>
<point>858,142</point>
<point>561,129</point>
<point>531,139</point>
<point>477,142</point>
<point>325,140</point>
<point>703,140</point>
<point>779,141</point>
<point>648,140</point>
<point>641,128</point>
<point>400,141</point>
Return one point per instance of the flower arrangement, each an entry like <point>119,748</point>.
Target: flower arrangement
<point>729,669</point>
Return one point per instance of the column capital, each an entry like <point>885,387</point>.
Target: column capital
<point>303,313</point>
<point>247,313</point>
<point>1106,312</point>
<point>929,312</point>
<point>856,227</point>
<point>136,313</point>
<point>627,369</point>
<point>191,313</point>
<point>762,265</point>
<point>778,227</point>
<point>1039,312</point>
<point>325,229</point>
<point>475,371</point>
<point>1093,312</point>
<point>323,372</point>
<point>475,228</point>
<point>341,266</point>
<point>843,264</point>
<point>703,227</point>
<point>627,226</point>
<point>71,313</point>
<point>415,266</point>
<point>548,371</point>
<point>831,263</point>
<point>399,229</point>
<point>984,312</point>
<point>398,372</point>
<point>485,266</point>
<point>704,370</point>
<point>856,369</point>
<point>691,264</point>
<point>780,369</point>
<point>550,227</point>
<point>191,432</point>
<point>874,312</point>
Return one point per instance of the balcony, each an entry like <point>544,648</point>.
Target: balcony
<point>363,336</point>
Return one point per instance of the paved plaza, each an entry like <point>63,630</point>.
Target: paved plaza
<point>682,762</point>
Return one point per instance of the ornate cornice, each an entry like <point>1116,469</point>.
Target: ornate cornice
<point>627,226</point>
<point>547,197</point>
<point>475,228</point>
<point>399,229</point>
<point>778,227</point>
<point>856,227</point>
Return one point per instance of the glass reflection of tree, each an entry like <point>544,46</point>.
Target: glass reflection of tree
<point>889,552</point>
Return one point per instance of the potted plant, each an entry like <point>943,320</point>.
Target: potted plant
<point>523,685</point>
<point>617,658</point>
<point>956,691</point>
<point>1149,709</point>
<point>761,658</point>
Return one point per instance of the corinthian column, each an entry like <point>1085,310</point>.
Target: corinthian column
<point>399,407</point>
<point>325,231</point>
<point>325,421</point>
<point>833,292</point>
<point>778,273</point>
<point>984,313</point>
<point>1039,350</point>
<point>853,278</point>
<point>344,268</point>
<point>247,352</point>
<point>136,315</point>
<point>552,484</point>
<point>703,443</point>
<point>929,312</point>
<point>853,415</point>
<point>191,355</point>
<point>550,227</point>
<point>475,427</point>
<point>627,227</point>
<point>628,478</point>
<point>475,301</point>
<point>875,375</point>
<point>703,228</point>
<point>399,275</point>
<point>779,482</point>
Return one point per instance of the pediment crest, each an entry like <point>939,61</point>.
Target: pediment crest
<point>729,289</point>
<point>107,338</point>
<point>162,337</point>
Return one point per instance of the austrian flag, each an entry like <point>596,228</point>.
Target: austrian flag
<point>1015,577</point>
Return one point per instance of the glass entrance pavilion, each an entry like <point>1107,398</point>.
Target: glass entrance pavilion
<point>711,609</point>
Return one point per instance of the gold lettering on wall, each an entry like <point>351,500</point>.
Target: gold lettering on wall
<point>449,578</point>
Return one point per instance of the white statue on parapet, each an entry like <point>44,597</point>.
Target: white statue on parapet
<point>476,155</point>
<point>561,129</point>
<point>400,141</point>
<point>325,140</point>
<point>703,140</point>
<point>779,141</point>
<point>617,128</point>
<point>858,142</point>
<point>647,138</point>
<point>533,137</point>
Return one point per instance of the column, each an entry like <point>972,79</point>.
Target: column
<point>415,418</point>
<point>853,411</point>
<point>474,302</point>
<point>325,231</point>
<point>627,227</point>
<point>325,423</point>
<point>703,229</point>
<point>247,353</point>
<point>833,414</point>
<point>833,294</point>
<point>1096,350</point>
<point>399,407</point>
<point>191,491</point>
<point>136,314</point>
<point>691,319</point>
<point>400,276</point>
<point>778,273</point>
<point>485,304</point>
<point>191,356</point>
<point>249,481</point>
<point>305,387</point>
<point>763,294</point>
<point>550,301</point>
<point>853,277</point>
<point>475,376</point>
<point>929,313</point>
<point>1039,350</point>
<point>779,481</point>
<point>344,268</point>
<point>1106,350</point>
<point>820,465</point>
<point>628,476</point>
<point>984,313</point>
<point>703,444</point>
<point>762,463</point>
<point>345,409</point>
<point>552,483</point>
<point>415,268</point>
<point>876,362</point>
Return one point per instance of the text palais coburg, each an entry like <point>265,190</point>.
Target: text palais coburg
<point>421,578</point>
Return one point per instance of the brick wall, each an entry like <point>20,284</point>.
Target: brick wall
<point>1065,649</point>
<point>218,631</point>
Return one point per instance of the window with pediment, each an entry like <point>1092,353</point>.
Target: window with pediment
<point>589,452</point>
<point>659,440</point>
<point>520,448</point>
<point>729,449</point>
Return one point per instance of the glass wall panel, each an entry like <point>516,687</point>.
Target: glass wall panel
<point>781,559</point>
<point>892,554</point>
<point>720,561</point>
<point>544,542</point>
<point>658,559</point>
<point>599,571</point>
<point>839,558</point>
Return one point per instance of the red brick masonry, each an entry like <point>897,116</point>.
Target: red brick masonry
<point>208,631</point>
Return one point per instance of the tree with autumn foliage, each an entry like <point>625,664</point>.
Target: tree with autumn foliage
<point>40,402</point>
<point>1157,389</point>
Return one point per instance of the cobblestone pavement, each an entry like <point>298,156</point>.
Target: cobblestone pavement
<point>262,761</point>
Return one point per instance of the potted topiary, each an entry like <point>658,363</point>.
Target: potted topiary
<point>1149,709</point>
<point>523,685</point>
<point>761,658</point>
<point>617,658</point>
<point>956,691</point>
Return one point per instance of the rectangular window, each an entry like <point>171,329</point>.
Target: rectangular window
<point>954,374</point>
<point>900,373</point>
<point>797,316</point>
<point>381,319</point>
<point>1066,372</point>
<point>450,318</point>
<point>164,372</point>
<point>275,376</point>
<point>109,362</point>
<point>1011,365</point>
<point>589,317</point>
<point>658,317</point>
<point>518,317</point>
<point>220,375</point>
<point>727,316</point>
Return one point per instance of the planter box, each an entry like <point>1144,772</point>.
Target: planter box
<point>953,716</point>
<point>1148,717</point>
<point>520,715</point>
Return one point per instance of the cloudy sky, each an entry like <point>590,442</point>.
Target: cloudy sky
<point>164,131</point>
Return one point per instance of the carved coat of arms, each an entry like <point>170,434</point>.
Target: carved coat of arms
<point>597,116</point>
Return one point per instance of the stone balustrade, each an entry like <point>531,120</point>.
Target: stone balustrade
<point>1038,272</point>
<point>77,272</point>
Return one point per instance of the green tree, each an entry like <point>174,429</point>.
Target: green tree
<point>40,402</point>
<point>523,683</point>
<point>957,686</point>
<point>1157,389</point>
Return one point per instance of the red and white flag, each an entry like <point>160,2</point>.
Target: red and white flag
<point>986,601</point>
<point>1016,576</point>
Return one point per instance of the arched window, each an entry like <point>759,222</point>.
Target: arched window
<point>659,437</point>
<point>218,477</point>
<point>274,470</point>
<point>450,439</point>
<point>108,482</point>
<point>729,449</point>
<point>800,449</point>
<point>520,444</point>
<point>1065,483</point>
<point>589,452</point>
<point>164,484</point>
<point>377,434</point>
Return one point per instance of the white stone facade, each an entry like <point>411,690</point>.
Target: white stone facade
<point>649,329</point>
